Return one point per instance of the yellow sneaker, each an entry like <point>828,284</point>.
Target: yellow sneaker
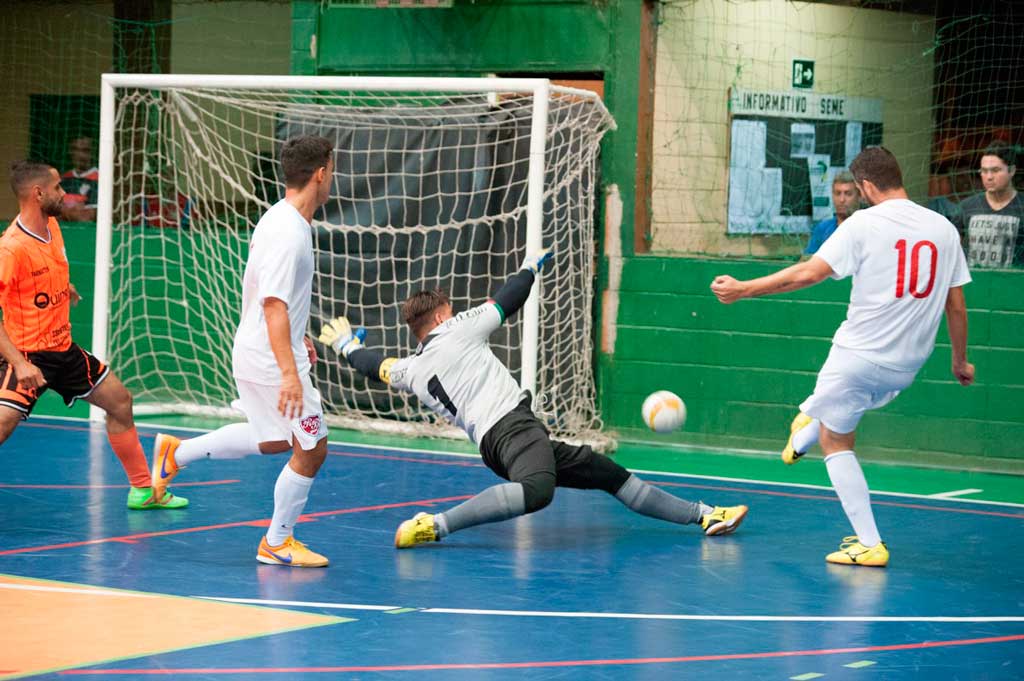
<point>852,552</point>
<point>164,465</point>
<point>418,530</point>
<point>789,455</point>
<point>723,519</point>
<point>291,553</point>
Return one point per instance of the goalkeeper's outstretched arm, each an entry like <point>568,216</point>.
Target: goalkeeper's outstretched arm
<point>339,335</point>
<point>513,293</point>
<point>372,363</point>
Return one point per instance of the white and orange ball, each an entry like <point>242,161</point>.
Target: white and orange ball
<point>664,411</point>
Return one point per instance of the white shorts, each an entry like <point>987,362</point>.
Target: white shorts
<point>259,402</point>
<point>849,385</point>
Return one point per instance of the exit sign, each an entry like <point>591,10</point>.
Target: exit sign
<point>803,74</point>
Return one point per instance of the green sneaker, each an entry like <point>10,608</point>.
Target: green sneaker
<point>141,499</point>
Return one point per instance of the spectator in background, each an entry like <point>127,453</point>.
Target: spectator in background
<point>162,203</point>
<point>990,223</point>
<point>81,183</point>
<point>845,200</point>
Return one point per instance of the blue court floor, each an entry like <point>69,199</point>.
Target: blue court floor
<point>582,590</point>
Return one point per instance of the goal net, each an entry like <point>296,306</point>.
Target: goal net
<point>432,188</point>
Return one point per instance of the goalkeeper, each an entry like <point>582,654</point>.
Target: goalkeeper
<point>454,372</point>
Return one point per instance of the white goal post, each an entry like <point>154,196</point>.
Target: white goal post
<point>439,182</point>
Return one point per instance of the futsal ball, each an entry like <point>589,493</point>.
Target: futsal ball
<point>664,411</point>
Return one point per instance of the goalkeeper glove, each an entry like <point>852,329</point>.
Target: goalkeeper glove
<point>339,335</point>
<point>536,261</point>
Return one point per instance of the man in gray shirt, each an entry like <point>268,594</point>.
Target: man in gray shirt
<point>991,223</point>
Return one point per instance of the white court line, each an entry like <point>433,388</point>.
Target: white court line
<point>531,613</point>
<point>955,493</point>
<point>300,604</point>
<point>800,485</point>
<point>84,591</point>
<point>717,618</point>
<point>71,590</point>
<point>626,615</point>
<point>747,481</point>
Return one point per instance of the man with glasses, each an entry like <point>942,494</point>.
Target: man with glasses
<point>990,223</point>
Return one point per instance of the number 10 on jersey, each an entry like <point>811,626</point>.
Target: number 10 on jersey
<point>915,261</point>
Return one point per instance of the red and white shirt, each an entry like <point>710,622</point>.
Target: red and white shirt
<point>80,188</point>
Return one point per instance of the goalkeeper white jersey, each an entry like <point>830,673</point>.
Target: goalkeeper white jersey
<point>280,265</point>
<point>456,375</point>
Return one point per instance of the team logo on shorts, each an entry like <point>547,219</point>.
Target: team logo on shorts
<point>310,425</point>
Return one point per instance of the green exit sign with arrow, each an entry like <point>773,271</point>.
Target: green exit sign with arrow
<point>803,74</point>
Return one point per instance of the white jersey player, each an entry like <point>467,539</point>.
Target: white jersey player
<point>272,357</point>
<point>455,374</point>
<point>908,268</point>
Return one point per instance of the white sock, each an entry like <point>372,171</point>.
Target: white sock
<point>230,442</point>
<point>807,437</point>
<point>290,495</point>
<point>852,488</point>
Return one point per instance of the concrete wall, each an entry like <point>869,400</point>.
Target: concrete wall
<point>707,46</point>
<point>63,48</point>
<point>56,49</point>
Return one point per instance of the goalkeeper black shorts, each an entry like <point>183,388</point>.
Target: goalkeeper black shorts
<point>518,446</point>
<point>74,373</point>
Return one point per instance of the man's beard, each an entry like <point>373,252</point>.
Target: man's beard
<point>53,209</point>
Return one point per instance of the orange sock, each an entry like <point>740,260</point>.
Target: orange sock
<point>129,450</point>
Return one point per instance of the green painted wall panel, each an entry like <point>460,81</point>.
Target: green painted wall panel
<point>1004,403</point>
<point>305,16</point>
<point>1004,362</point>
<point>702,311</point>
<point>996,291</point>
<point>763,349</point>
<point>882,435</point>
<point>743,369</point>
<point>505,35</point>
<point>1006,329</point>
<point>718,383</point>
<point>719,348</point>
<point>653,274</point>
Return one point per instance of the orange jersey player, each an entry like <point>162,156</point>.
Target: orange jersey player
<point>36,350</point>
<point>35,289</point>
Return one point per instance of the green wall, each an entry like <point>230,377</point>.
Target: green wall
<point>743,369</point>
